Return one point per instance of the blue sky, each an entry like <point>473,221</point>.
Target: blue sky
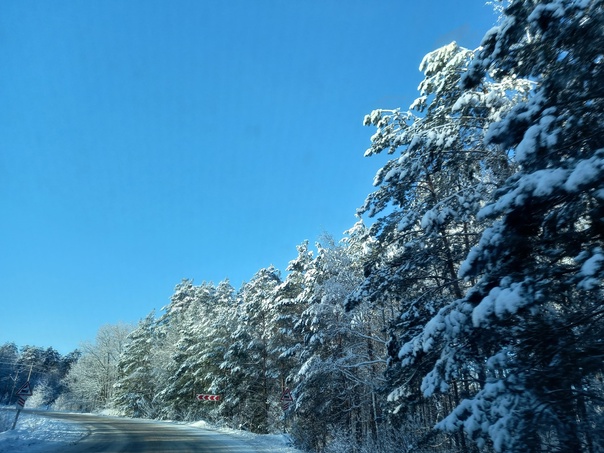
<point>143,142</point>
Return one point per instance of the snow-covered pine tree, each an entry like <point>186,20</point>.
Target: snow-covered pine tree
<point>251,385</point>
<point>205,346</point>
<point>210,351</point>
<point>535,315</point>
<point>338,371</point>
<point>428,196</point>
<point>322,395</point>
<point>285,342</point>
<point>136,387</point>
<point>183,326</point>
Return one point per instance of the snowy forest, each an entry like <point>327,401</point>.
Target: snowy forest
<point>462,312</point>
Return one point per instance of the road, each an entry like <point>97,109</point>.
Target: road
<point>120,435</point>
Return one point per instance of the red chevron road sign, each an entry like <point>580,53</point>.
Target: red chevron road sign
<point>202,397</point>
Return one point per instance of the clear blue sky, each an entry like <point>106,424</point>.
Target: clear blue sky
<point>142,142</point>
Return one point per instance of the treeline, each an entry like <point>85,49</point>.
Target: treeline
<point>249,345</point>
<point>468,316</point>
<point>46,369</point>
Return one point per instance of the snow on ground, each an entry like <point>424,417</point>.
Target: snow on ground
<point>261,443</point>
<point>36,434</point>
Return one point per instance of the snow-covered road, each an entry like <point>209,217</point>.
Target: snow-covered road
<point>114,434</point>
<point>74,433</point>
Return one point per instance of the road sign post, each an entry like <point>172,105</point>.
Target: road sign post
<point>22,394</point>
<point>286,400</point>
<point>16,418</point>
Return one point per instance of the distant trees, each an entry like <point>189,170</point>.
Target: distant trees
<point>9,357</point>
<point>47,367</point>
<point>177,355</point>
<point>136,385</point>
<point>341,354</point>
<point>181,333</point>
<point>251,381</point>
<point>249,345</point>
<point>90,381</point>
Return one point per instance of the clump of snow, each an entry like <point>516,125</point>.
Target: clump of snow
<point>586,172</point>
<point>501,301</point>
<point>543,183</point>
<point>491,238</point>
<point>536,136</point>
<point>590,270</point>
<point>489,412</point>
<point>554,9</point>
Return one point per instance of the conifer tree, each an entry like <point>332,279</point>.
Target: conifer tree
<point>534,316</point>
<point>429,195</point>
<point>252,384</point>
<point>136,387</point>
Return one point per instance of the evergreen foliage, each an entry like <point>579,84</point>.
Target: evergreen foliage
<point>46,369</point>
<point>534,315</point>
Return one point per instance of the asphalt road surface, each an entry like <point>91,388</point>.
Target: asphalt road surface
<point>120,435</point>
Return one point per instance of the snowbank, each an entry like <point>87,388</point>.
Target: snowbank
<point>260,443</point>
<point>34,434</point>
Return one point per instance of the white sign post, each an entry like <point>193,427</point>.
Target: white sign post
<point>286,400</point>
<point>22,394</point>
